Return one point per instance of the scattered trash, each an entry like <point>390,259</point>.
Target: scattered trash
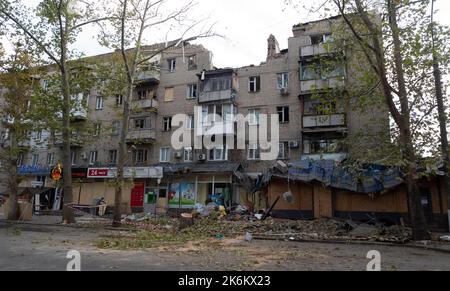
<point>364,230</point>
<point>259,216</point>
<point>248,237</point>
<point>445,238</point>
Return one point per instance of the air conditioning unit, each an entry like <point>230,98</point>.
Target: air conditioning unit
<point>178,155</point>
<point>202,158</point>
<point>284,91</point>
<point>294,144</point>
<point>84,156</point>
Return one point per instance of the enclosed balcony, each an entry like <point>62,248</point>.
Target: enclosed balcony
<point>75,142</point>
<point>141,136</point>
<point>144,104</point>
<point>314,50</point>
<point>322,84</point>
<point>331,120</point>
<point>217,86</point>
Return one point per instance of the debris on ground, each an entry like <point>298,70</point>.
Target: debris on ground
<point>445,238</point>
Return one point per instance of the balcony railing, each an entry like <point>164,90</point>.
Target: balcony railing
<point>223,128</point>
<point>338,157</point>
<point>79,114</point>
<point>76,141</point>
<point>148,77</point>
<point>216,96</point>
<point>314,50</point>
<point>330,83</point>
<point>324,120</point>
<point>145,135</point>
<point>144,104</point>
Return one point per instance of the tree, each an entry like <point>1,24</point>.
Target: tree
<point>17,82</point>
<point>394,41</point>
<point>132,20</point>
<point>51,28</point>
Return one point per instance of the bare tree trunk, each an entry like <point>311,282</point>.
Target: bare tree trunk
<point>122,157</point>
<point>13,207</point>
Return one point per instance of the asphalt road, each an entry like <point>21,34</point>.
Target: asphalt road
<point>32,248</point>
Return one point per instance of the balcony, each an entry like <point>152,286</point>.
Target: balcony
<point>79,115</point>
<point>145,136</point>
<point>144,104</point>
<point>338,157</point>
<point>324,120</point>
<point>214,96</point>
<point>330,83</point>
<point>75,142</point>
<point>148,77</point>
<point>226,128</point>
<point>314,50</point>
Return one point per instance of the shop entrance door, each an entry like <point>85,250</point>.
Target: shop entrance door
<point>137,195</point>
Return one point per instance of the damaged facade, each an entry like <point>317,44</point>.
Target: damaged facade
<point>166,179</point>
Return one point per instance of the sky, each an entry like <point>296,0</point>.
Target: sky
<point>245,26</point>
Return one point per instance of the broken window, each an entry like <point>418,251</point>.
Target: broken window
<point>254,84</point>
<point>188,155</point>
<point>254,151</point>
<point>172,65</point>
<point>283,114</point>
<point>167,124</point>
<point>322,146</point>
<point>283,80</point>
<point>283,152</point>
<point>192,91</point>
<point>192,63</point>
<point>140,156</point>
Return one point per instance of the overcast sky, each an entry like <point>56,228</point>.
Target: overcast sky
<point>246,25</point>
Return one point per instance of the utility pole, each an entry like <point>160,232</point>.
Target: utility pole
<point>442,115</point>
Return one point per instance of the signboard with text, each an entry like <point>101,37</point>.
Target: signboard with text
<point>136,173</point>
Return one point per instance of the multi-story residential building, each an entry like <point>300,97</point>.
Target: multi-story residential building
<point>285,85</point>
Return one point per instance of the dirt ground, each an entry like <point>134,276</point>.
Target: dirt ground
<point>31,247</point>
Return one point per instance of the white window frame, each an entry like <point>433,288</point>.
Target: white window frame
<point>282,148</point>
<point>50,159</point>
<point>119,100</point>
<point>254,80</point>
<point>190,122</point>
<point>73,158</point>
<point>164,155</point>
<point>188,154</point>
<point>34,160</point>
<point>284,114</point>
<point>192,66</point>
<point>223,153</point>
<point>140,153</point>
<point>254,116</point>
<point>254,152</point>
<point>93,157</point>
<point>167,124</point>
<point>38,135</point>
<point>111,161</point>
<point>99,103</point>
<point>172,64</point>
<point>98,129</point>
<point>284,80</point>
<point>190,91</point>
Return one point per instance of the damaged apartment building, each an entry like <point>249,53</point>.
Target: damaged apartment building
<point>285,85</point>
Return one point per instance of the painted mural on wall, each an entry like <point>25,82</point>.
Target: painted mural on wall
<point>182,195</point>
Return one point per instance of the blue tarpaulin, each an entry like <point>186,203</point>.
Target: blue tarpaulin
<point>373,179</point>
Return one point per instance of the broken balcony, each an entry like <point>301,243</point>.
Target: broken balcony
<point>314,50</point>
<point>321,84</point>
<point>148,77</point>
<point>141,136</point>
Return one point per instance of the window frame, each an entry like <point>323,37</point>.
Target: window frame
<point>172,65</point>
<point>167,124</point>
<point>284,80</point>
<point>99,103</point>
<point>93,157</point>
<point>191,91</point>
<point>167,152</point>
<point>285,115</point>
<point>256,82</point>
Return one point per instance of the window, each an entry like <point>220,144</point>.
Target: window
<point>140,156</point>
<point>164,155</point>
<point>218,84</point>
<point>20,159</point>
<point>254,152</point>
<point>38,135</point>
<point>167,124</point>
<point>190,123</point>
<point>321,38</point>
<point>97,129</point>
<point>116,128</point>
<point>325,146</point>
<point>283,114</point>
<point>253,115</point>
<point>35,160</point>
<point>218,154</point>
<point>283,80</point>
<point>139,124</point>
<point>99,103</point>
<point>93,158</point>
<point>50,159</point>
<point>143,94</point>
<point>169,94</point>
<point>188,155</point>
<point>217,114</point>
<point>192,63</point>
<point>73,158</point>
<point>254,84</point>
<point>113,157</point>
<point>283,153</point>
<point>119,100</point>
<point>172,65</point>
<point>192,91</point>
